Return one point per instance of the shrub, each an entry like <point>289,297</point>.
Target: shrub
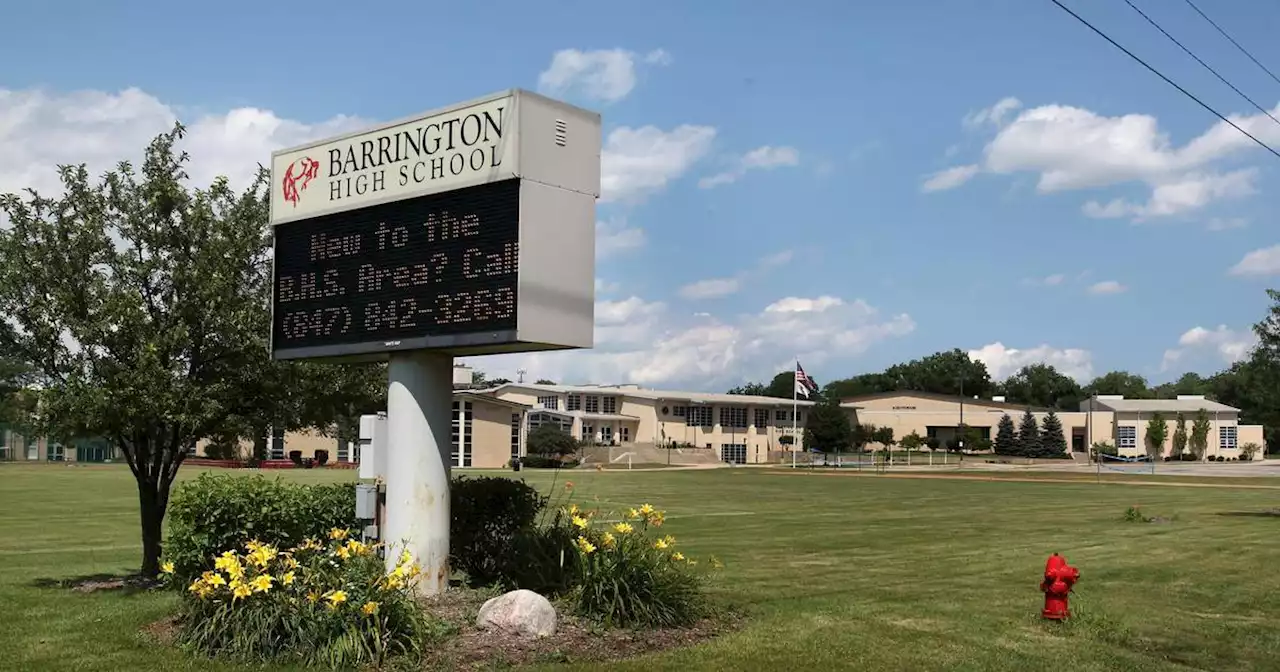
<point>544,462</point>
<point>550,440</point>
<point>215,513</point>
<point>1134,515</point>
<point>295,456</point>
<point>786,440</point>
<point>1250,450</point>
<point>322,457</point>
<point>487,513</point>
<point>628,575</point>
<point>325,604</point>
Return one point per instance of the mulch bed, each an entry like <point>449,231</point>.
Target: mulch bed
<point>575,640</point>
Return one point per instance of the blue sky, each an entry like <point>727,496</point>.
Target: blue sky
<point>827,121</point>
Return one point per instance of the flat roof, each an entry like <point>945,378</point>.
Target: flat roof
<point>1158,405</point>
<point>655,395</point>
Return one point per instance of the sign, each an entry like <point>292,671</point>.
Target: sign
<point>470,230</point>
<point>433,153</point>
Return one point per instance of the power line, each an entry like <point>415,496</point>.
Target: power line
<point>1232,40</point>
<point>1201,62</point>
<point>1170,82</point>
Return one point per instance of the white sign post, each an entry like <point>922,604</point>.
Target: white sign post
<point>463,231</point>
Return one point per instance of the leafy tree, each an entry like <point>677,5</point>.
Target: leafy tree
<point>541,381</point>
<point>1199,440</point>
<point>143,308</point>
<point>505,381</point>
<point>1053,442</point>
<point>1131,385</point>
<point>912,441</point>
<point>867,383</point>
<point>862,435</point>
<point>950,372</point>
<point>884,437</point>
<point>749,389</point>
<point>1157,432</point>
<point>1179,437</point>
<point>478,378</point>
<point>782,386</point>
<point>1188,383</point>
<point>1029,435</point>
<point>1041,385</point>
<point>1006,437</point>
<point>827,427</point>
<point>549,439</point>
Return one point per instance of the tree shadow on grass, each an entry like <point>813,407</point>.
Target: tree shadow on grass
<point>123,584</point>
<point>1266,513</point>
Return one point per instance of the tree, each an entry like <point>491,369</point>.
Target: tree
<point>1131,385</point>
<point>549,439</point>
<point>478,378</point>
<point>1157,432</point>
<point>143,308</point>
<point>1188,383</point>
<point>912,441</point>
<point>1199,441</point>
<point>1028,435</point>
<point>862,435</point>
<point>1041,385</point>
<point>1179,437</point>
<point>1006,437</point>
<point>541,381</point>
<point>827,427</point>
<point>884,437</point>
<point>749,389</point>
<point>950,372</point>
<point>782,386</point>
<point>1053,442</point>
<point>507,381</point>
<point>867,383</point>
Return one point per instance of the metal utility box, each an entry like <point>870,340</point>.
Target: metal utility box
<point>366,501</point>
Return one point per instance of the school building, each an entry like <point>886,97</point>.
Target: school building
<point>1106,418</point>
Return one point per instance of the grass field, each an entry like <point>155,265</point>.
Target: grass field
<point>834,572</point>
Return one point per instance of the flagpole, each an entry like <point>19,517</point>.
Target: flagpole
<point>795,403</point>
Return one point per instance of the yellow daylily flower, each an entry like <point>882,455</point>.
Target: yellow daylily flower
<point>573,509</point>
<point>240,590</point>
<point>214,579</point>
<point>313,596</point>
<point>166,567</point>
<point>661,544</point>
<point>633,514</point>
<point>608,540</point>
<point>585,545</point>
<point>261,583</point>
<point>335,598</point>
<point>337,533</point>
<point>623,528</point>
<point>342,552</point>
<point>286,578</point>
<point>580,522</point>
<point>677,556</point>
<point>369,608</point>
<point>646,509</point>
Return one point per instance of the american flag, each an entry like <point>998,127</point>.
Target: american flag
<point>804,384</point>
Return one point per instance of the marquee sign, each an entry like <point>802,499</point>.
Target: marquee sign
<point>469,230</point>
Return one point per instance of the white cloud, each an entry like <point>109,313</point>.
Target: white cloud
<point>1229,345</point>
<point>1003,362</point>
<point>647,345</point>
<point>636,162</point>
<point>760,158</point>
<point>1074,148</point>
<point>777,259</point>
<point>605,75</point>
<point>711,288</point>
<point>1052,280</point>
<point>1260,262</point>
<point>1226,223</point>
<point>993,115</point>
<point>949,178</point>
<point>1107,287</point>
<point>1055,279</point>
<point>40,129</point>
<point>1190,192</point>
<point>614,237</point>
<point>606,287</point>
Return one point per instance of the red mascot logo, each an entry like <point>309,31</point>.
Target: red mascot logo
<point>297,176</point>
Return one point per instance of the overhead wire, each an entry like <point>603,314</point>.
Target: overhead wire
<point>1161,75</point>
<point>1232,41</point>
<point>1201,61</point>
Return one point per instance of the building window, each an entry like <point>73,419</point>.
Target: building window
<point>733,416</point>
<point>593,404</point>
<point>799,416</point>
<point>573,402</point>
<point>562,423</point>
<point>56,453</point>
<point>1126,437</point>
<point>589,434</point>
<point>761,417</point>
<point>679,411</point>
<point>461,434</point>
<point>515,436</point>
<point>33,449</point>
<point>780,416</point>
<point>699,416</point>
<point>344,451</point>
<point>610,405</point>
<point>552,402</point>
<point>626,434</point>
<point>1227,437</point>
<point>733,453</point>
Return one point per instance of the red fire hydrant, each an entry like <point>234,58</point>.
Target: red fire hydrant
<point>1059,577</point>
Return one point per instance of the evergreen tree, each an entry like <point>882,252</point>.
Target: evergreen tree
<point>1028,436</point>
<point>1180,436</point>
<point>1006,437</point>
<point>1053,443</point>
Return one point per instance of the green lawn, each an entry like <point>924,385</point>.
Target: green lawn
<point>834,572</point>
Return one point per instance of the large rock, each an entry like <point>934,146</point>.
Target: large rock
<point>520,611</point>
